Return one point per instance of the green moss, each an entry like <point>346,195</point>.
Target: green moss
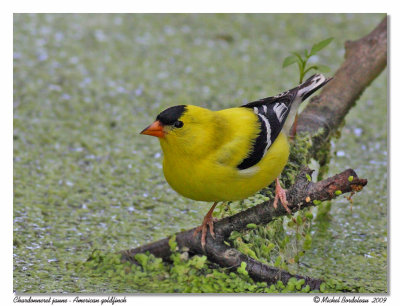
<point>323,155</point>
<point>281,242</point>
<point>185,275</point>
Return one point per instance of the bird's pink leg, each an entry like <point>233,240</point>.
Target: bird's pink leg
<point>280,194</point>
<point>208,220</point>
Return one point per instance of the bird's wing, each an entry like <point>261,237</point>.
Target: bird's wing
<point>272,113</point>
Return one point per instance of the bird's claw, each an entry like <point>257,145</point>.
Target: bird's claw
<point>203,229</point>
<point>280,194</point>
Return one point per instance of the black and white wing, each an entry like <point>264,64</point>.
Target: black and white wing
<point>276,114</point>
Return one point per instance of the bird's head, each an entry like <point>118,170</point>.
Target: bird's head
<point>167,122</point>
<point>183,127</point>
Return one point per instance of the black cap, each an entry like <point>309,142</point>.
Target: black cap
<point>171,114</point>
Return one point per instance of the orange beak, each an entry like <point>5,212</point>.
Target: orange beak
<point>155,129</point>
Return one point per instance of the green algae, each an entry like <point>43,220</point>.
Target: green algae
<point>86,183</point>
<point>184,274</point>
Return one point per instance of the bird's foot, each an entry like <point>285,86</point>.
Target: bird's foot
<point>203,229</point>
<point>280,194</point>
<point>208,220</point>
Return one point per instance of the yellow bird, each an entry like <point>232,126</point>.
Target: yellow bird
<point>230,154</point>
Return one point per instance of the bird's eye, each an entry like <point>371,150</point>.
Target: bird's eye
<point>178,124</point>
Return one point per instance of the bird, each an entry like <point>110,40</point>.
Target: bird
<point>229,154</point>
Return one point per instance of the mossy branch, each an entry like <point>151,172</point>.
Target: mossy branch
<point>365,59</point>
<point>302,194</point>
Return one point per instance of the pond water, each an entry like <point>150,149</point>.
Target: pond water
<point>84,179</point>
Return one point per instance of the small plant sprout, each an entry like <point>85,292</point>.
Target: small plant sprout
<point>317,202</point>
<point>302,61</point>
<point>251,226</point>
<point>242,269</point>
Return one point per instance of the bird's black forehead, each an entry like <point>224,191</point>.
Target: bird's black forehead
<point>170,115</point>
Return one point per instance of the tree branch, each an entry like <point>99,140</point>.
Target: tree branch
<point>364,61</point>
<point>302,194</point>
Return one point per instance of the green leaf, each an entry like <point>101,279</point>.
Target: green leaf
<point>278,261</point>
<point>142,259</point>
<point>234,235</point>
<point>289,60</point>
<point>242,269</point>
<point>320,45</point>
<point>306,288</point>
<point>172,243</point>
<point>323,68</point>
<point>309,215</point>
<point>307,242</point>
<point>311,68</point>
<point>299,220</point>
<point>270,246</point>
<point>298,56</point>
<point>280,284</point>
<point>198,262</point>
<point>317,202</point>
<point>338,192</point>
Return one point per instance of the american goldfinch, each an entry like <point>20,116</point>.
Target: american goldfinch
<point>229,155</point>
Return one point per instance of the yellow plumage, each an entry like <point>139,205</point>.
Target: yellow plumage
<point>230,154</point>
<point>200,159</point>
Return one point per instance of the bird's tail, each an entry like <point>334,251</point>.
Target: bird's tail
<point>311,85</point>
<point>304,90</point>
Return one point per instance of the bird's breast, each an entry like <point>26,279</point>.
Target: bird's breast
<point>212,181</point>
